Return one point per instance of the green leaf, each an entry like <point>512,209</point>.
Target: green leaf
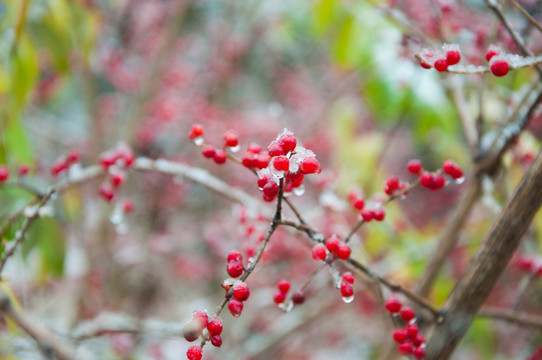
<point>25,73</point>
<point>16,142</point>
<point>46,236</point>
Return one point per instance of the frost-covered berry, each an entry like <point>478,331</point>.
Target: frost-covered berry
<point>379,214</point>
<point>453,54</point>
<point>492,51</point>
<point>343,252</point>
<point>231,138</point>
<point>216,340</point>
<point>405,349</point>
<point>319,252</point>
<point>288,142</point>
<point>235,307</point>
<point>333,243</point>
<point>367,214</point>
<point>194,353</point>
<point>412,330</point>
<point>283,285</point>
<point>220,157</point>
<point>310,165</point>
<point>414,167</point>
<point>208,151</point>
<point>499,66</point>
<point>275,149</point>
<point>279,297</point>
<point>393,305</point>
<point>215,326</point>
<point>234,255</point>
<point>441,65</point>
<point>241,291</point>
<point>235,269</point>
<point>281,163</point>
<point>451,168</point>
<point>407,314</point>
<point>106,192</point>
<point>195,132</point>
<point>419,352</point>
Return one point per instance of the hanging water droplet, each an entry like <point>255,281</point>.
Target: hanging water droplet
<point>235,148</point>
<point>198,141</point>
<point>117,216</point>
<point>300,190</point>
<point>277,173</point>
<point>348,299</point>
<point>286,306</point>
<point>460,180</point>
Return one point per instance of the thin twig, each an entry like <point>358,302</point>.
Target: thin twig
<point>48,343</point>
<point>517,317</point>
<point>528,16</point>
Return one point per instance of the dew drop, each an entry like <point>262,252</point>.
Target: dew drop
<point>336,277</point>
<point>348,299</point>
<point>198,141</point>
<point>235,148</point>
<point>460,180</point>
<point>117,216</point>
<point>287,306</point>
<point>300,190</point>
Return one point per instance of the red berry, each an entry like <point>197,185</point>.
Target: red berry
<point>196,131</point>
<point>412,330</point>
<point>367,215</point>
<point>194,353</point>
<point>231,138</point>
<point>414,167</point>
<point>392,184</point>
<point>400,335</point>
<point>59,166</point>
<point>451,168</point>
<point>254,148</point>
<point>72,157</point>
<point>235,269</point>
<point>441,65</point>
<point>208,151</point>
<point>249,160</point>
<point>234,255</point>
<point>298,297</point>
<point>499,67</point>
<point>393,305</point>
<point>347,290</point>
<point>241,291</point>
<point>202,317</point>
<point>426,180</point>
<point>271,189</point>
<point>279,297</point>
<point>405,349</point>
<point>127,206</point>
<point>287,142</point>
<point>284,285</point>
<point>4,173</point>
<point>275,149</point>
<point>359,203</point>
<point>348,277</point>
<point>281,163</point>
<point>215,326</point>
<point>439,182</point>
<point>419,352</point>
<point>418,340</point>
<point>220,157</point>
<point>116,179</point>
<point>107,159</point>
<point>333,244</point>
<point>319,252</point>
<point>453,57</point>
<point>344,252</point>
<point>235,307</point>
<point>262,161</point>
<point>379,214</point>
<point>407,314</point>
<point>310,165</point>
<point>492,51</point>
<point>106,192</point>
<point>425,65</point>
<point>22,171</point>
<point>216,340</point>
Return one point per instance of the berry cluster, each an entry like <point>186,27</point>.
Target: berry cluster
<point>450,54</point>
<point>440,59</point>
<point>409,338</point>
<point>498,62</point>
<point>283,286</point>
<point>115,161</point>
<point>347,287</point>
<point>528,264</point>
<point>368,213</point>
<point>337,247</point>
<point>231,141</point>
<point>288,161</point>
<point>63,163</point>
<point>194,330</point>
<point>240,293</point>
<point>435,180</point>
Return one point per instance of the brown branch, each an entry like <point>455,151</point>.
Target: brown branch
<point>47,342</point>
<point>520,318</point>
<point>528,16</point>
<point>488,264</point>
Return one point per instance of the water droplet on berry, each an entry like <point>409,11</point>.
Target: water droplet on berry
<point>198,141</point>
<point>286,306</point>
<point>235,148</point>
<point>348,299</point>
<point>460,180</point>
<point>300,190</point>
